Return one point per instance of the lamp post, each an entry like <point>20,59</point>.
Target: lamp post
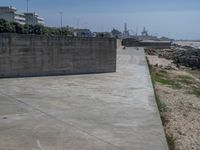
<point>27,5</point>
<point>61,21</point>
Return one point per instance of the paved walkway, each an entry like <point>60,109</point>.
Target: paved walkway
<point>113,111</point>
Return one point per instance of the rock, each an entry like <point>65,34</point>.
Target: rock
<point>168,67</point>
<point>181,55</point>
<point>156,65</point>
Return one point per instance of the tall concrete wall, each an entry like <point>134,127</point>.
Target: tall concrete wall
<point>119,43</point>
<point>32,55</point>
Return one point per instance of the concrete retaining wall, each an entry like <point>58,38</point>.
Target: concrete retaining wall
<point>131,42</point>
<point>32,55</point>
<point>119,43</point>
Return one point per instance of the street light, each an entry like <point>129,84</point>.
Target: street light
<point>61,20</point>
<point>27,4</point>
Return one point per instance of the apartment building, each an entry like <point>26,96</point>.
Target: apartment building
<point>10,14</point>
<point>33,19</point>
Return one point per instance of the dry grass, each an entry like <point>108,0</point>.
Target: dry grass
<point>177,93</point>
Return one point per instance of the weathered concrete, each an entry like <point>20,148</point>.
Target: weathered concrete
<point>131,42</point>
<point>33,55</point>
<point>113,111</point>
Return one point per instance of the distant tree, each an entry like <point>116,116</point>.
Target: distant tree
<point>116,33</point>
<point>53,31</point>
<point>6,26</point>
<point>31,29</point>
<point>39,29</point>
<point>2,25</point>
<point>26,29</point>
<point>103,35</point>
<point>65,31</point>
<point>18,28</point>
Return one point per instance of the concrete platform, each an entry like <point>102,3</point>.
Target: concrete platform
<point>114,111</point>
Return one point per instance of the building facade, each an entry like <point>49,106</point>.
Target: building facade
<point>82,33</point>
<point>33,19</point>
<point>10,14</point>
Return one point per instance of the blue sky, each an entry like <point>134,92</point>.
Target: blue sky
<point>175,18</point>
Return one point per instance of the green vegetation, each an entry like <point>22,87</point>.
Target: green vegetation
<point>171,142</point>
<point>13,27</point>
<point>177,82</point>
<point>193,86</point>
<point>185,79</point>
<point>116,33</point>
<point>162,108</point>
<point>160,77</point>
<point>195,91</point>
<point>161,105</point>
<point>163,77</point>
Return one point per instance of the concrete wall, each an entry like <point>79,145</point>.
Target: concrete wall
<point>32,55</point>
<point>131,42</point>
<point>119,43</point>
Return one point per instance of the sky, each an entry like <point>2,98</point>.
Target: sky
<point>179,19</point>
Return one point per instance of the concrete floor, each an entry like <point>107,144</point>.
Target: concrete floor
<point>113,111</point>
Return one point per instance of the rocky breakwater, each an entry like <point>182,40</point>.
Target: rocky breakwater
<point>181,55</point>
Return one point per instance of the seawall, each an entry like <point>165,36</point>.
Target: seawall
<point>34,55</point>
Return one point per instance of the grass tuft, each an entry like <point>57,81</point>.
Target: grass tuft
<point>171,142</point>
<point>195,91</point>
<point>162,77</point>
<point>185,82</point>
<point>184,79</point>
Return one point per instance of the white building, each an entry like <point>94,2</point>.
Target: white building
<point>33,19</point>
<point>10,14</point>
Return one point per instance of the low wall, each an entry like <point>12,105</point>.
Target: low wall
<point>33,55</point>
<point>130,42</point>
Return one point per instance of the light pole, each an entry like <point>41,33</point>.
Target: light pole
<point>61,21</point>
<point>77,23</point>
<point>169,35</point>
<point>27,5</point>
